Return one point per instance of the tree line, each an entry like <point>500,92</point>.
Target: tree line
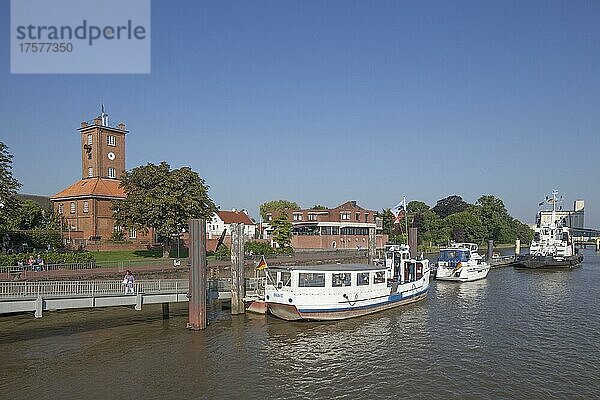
<point>453,219</point>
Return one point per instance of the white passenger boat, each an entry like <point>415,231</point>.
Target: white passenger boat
<point>339,291</point>
<point>462,263</point>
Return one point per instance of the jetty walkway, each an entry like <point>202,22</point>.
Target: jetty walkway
<point>37,297</point>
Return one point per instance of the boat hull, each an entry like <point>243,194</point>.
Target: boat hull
<point>541,262</point>
<point>290,312</point>
<point>469,275</point>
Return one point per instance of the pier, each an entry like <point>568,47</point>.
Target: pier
<point>37,297</point>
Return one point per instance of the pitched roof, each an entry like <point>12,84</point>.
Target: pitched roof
<point>232,217</point>
<point>97,187</point>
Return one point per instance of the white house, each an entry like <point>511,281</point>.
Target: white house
<point>223,219</point>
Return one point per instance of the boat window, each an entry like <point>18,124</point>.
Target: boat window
<point>286,278</point>
<point>311,279</point>
<point>362,278</point>
<point>379,277</point>
<point>454,255</point>
<point>342,279</point>
<point>419,270</point>
<point>271,276</point>
<point>409,272</point>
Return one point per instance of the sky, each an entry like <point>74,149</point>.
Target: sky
<point>321,102</point>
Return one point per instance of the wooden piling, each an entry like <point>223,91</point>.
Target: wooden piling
<point>490,250</point>
<point>597,244</point>
<point>197,305</point>
<point>517,247</point>
<point>165,310</point>
<point>372,245</point>
<point>412,242</point>
<point>237,269</point>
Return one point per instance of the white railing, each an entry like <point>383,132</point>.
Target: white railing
<point>13,290</point>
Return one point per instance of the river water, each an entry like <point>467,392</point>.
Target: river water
<point>517,334</point>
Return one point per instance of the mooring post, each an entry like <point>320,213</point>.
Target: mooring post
<point>598,244</point>
<point>412,242</point>
<point>237,269</point>
<point>372,245</point>
<point>517,247</point>
<point>197,304</point>
<point>165,310</point>
<point>490,250</point>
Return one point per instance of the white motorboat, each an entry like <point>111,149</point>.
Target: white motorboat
<point>461,262</point>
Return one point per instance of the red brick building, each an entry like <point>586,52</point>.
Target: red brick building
<point>343,227</point>
<point>85,206</point>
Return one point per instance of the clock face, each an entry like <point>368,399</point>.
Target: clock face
<point>111,156</point>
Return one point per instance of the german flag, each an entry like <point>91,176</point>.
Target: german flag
<point>262,264</point>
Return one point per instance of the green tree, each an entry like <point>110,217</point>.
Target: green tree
<point>282,231</point>
<point>8,184</point>
<point>162,198</point>
<point>417,207</point>
<point>27,215</point>
<point>450,205</point>
<point>319,207</point>
<point>393,230</point>
<point>465,227</point>
<point>276,205</point>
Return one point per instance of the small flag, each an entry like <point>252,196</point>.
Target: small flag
<point>262,264</point>
<point>399,210</point>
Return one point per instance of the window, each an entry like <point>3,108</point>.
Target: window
<point>345,216</point>
<point>379,277</point>
<point>111,140</point>
<point>111,173</point>
<point>362,278</point>
<point>73,208</point>
<point>90,172</point>
<point>342,279</point>
<point>306,279</point>
<point>60,208</point>
<point>366,217</point>
<point>298,217</point>
<point>286,278</point>
<point>132,233</point>
<point>358,216</point>
<point>89,139</point>
<point>86,207</point>
<point>312,217</point>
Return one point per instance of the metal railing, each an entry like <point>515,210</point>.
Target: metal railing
<point>14,290</point>
<point>9,272</point>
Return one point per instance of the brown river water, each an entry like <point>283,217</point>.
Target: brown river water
<point>517,334</point>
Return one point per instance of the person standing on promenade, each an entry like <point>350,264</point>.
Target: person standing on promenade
<point>128,280</point>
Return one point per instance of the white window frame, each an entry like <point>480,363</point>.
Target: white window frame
<point>112,173</point>
<point>90,139</point>
<point>86,206</point>
<point>132,233</point>
<point>73,207</point>
<point>111,140</point>
<point>61,208</point>
<point>90,172</point>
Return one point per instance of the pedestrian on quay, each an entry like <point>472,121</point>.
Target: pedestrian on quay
<point>128,281</point>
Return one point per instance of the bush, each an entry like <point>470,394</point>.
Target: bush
<point>259,248</point>
<point>288,251</point>
<point>222,253</point>
<point>49,258</point>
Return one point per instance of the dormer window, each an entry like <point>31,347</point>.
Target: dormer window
<point>111,140</point>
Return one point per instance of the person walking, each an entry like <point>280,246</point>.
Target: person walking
<point>128,281</point>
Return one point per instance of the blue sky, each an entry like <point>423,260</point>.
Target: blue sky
<point>328,101</point>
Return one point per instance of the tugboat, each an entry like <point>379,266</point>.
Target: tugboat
<point>461,262</point>
<point>552,245</point>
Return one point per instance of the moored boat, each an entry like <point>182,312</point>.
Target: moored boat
<point>340,291</point>
<point>552,246</point>
<point>461,262</point>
